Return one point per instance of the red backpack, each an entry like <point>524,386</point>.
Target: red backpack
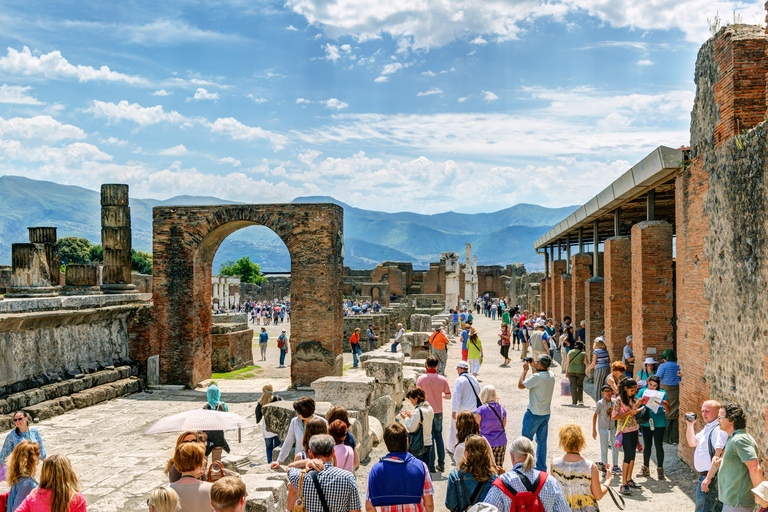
<point>528,500</point>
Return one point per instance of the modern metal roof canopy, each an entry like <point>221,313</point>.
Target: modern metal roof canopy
<point>654,172</point>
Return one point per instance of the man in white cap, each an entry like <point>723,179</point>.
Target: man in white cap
<point>465,397</point>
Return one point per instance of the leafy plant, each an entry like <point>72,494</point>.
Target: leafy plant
<point>248,271</point>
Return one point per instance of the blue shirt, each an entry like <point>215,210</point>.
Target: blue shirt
<point>19,491</point>
<point>464,339</point>
<point>660,417</point>
<point>551,494</point>
<point>13,439</point>
<point>667,372</point>
<point>263,337</point>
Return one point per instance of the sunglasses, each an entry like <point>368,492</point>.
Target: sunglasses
<point>16,420</point>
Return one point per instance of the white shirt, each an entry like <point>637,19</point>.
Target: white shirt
<point>425,419</point>
<point>295,436</point>
<point>463,397</point>
<point>399,334</point>
<point>701,459</point>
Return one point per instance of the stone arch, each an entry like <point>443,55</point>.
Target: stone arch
<point>185,239</point>
<point>375,293</point>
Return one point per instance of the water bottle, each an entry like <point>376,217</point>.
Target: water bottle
<point>651,423</point>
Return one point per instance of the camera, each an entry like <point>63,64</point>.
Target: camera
<point>528,359</point>
<point>691,416</point>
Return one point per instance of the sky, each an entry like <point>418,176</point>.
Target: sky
<point>393,105</point>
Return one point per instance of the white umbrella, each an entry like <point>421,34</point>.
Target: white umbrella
<point>198,419</point>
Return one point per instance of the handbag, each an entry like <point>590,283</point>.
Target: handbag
<point>620,434</point>
<point>416,439</point>
<point>299,505</point>
<point>565,387</point>
<point>217,471</point>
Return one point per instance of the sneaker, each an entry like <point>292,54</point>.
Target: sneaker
<point>660,474</point>
<point>624,489</point>
<point>633,484</point>
<point>644,472</point>
<point>440,468</point>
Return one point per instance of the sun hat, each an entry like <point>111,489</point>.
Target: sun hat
<point>650,360</point>
<point>462,364</point>
<point>762,490</point>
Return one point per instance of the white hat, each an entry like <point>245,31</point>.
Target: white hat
<point>462,364</point>
<point>762,490</point>
<point>650,360</point>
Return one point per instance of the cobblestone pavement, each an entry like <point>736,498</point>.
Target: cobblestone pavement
<point>117,466</point>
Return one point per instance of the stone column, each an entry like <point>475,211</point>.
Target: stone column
<point>581,270</point>
<point>558,268</point>
<point>451,280</point>
<point>116,239</point>
<point>35,266</point>
<point>543,296</point>
<point>652,288</point>
<point>594,293</point>
<point>618,294</point>
<point>81,280</point>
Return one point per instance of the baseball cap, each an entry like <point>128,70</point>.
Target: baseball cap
<point>606,386</point>
<point>284,330</point>
<point>462,364</point>
<point>370,325</point>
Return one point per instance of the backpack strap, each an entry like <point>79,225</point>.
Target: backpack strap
<point>319,490</point>
<point>534,487</point>
<point>505,488</point>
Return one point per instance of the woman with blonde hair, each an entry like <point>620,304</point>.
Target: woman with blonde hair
<point>163,499</point>
<point>58,490</point>
<point>21,472</point>
<point>470,483</point>
<point>270,439</point>
<point>492,418</point>
<point>195,495</point>
<point>190,436</point>
<point>579,477</point>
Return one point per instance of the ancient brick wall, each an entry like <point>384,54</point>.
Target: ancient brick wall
<point>581,270</point>
<point>618,294</point>
<point>558,268</point>
<point>594,295</point>
<point>381,327</point>
<point>185,240</point>
<point>231,350</point>
<point>565,299</point>
<point>543,297</point>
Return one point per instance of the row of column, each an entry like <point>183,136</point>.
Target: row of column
<point>634,296</point>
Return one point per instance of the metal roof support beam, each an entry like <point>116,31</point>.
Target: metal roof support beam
<point>559,249</point>
<point>595,250</point>
<point>651,204</point>
<point>581,240</point>
<point>568,253</point>
<point>617,222</point>
<point>546,264</point>
<point>552,252</point>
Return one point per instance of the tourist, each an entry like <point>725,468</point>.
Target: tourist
<point>575,370</point>
<point>505,341</point>
<point>625,407</point>
<point>438,342</point>
<point>21,472</point>
<point>398,337</point>
<point>617,375</point>
<point>282,344</point>
<point>372,337</point>
<point>464,340</point>
<point>466,426</point>
<point>648,369</point>
<point>492,418</point>
<point>337,486</point>
<point>399,481</point>
<point>601,363</point>
<point>21,432</point>
<point>340,413</point>
<point>270,439</point>
<point>628,358</point>
<point>216,442</point>
<point>525,338</point>
<point>437,389</point>
<point>163,499</point>
<point>505,317</point>
<point>228,495</point>
<point>602,423</point>
<point>305,410</point>
<point>190,436</point>
<point>474,352</point>
<point>193,492</point>
<point>465,397</point>
<point>578,477</point>
<point>263,342</point>
<point>494,307</point>
<point>739,467</point>
<point>346,457</point>
<point>540,386</point>
<point>470,482</point>
<point>669,373</point>
<point>315,426</point>
<point>581,334</point>
<point>421,418</point>
<point>547,490</point>
<point>549,329</point>
<point>455,321</point>
<point>515,327</point>
<point>58,489</point>
<point>653,430</point>
<point>761,496</point>
<point>707,444</point>
<point>538,345</point>
<point>354,345</point>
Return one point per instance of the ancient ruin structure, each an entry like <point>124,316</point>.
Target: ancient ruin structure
<point>225,291</point>
<point>116,239</point>
<point>185,239</point>
<point>35,266</point>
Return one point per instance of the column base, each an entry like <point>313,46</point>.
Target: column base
<point>27,292</point>
<point>113,289</point>
<point>81,290</point>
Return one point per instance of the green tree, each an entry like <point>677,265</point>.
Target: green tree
<point>248,271</point>
<point>74,250</point>
<point>97,253</point>
<point>141,262</point>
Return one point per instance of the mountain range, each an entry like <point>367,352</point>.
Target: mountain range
<point>370,237</point>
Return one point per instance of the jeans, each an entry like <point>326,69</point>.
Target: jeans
<point>426,456</point>
<point>272,443</point>
<point>538,425</point>
<point>394,347</point>
<point>493,314</point>
<point>707,501</point>
<point>283,351</point>
<point>438,444</point>
<point>607,438</point>
<point>355,352</point>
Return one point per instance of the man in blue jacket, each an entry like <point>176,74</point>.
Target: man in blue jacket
<point>399,479</point>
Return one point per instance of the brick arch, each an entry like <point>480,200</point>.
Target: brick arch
<point>185,239</point>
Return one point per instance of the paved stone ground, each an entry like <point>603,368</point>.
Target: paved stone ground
<point>117,466</point>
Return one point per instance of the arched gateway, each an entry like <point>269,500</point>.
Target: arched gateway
<point>185,239</point>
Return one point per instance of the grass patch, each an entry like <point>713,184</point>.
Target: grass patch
<point>347,367</point>
<point>242,374</point>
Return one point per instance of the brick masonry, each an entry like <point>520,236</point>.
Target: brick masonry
<point>618,294</point>
<point>594,294</point>
<point>543,296</point>
<point>581,270</point>
<point>565,298</point>
<point>185,240</point>
<point>558,269</point>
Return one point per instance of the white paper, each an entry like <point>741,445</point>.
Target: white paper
<point>654,399</point>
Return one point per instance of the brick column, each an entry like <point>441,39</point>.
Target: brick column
<point>594,292</point>
<point>565,298</point>
<point>558,268</point>
<point>548,305</point>
<point>652,288</point>
<point>542,295</point>
<point>618,294</point>
<point>581,270</point>
<point>116,239</point>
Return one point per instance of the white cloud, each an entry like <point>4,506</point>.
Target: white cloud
<point>158,32</point>
<point>291,27</point>
<point>334,103</point>
<point>471,53</point>
<point>18,95</point>
<point>229,160</point>
<point>489,96</point>
<point>346,48</point>
<point>202,94</point>
<point>178,150</point>
<point>239,131</point>
<point>257,100</point>
<point>464,98</point>
<point>162,92</point>
<point>331,52</point>
<point>645,62</point>
<point>428,73</point>
<point>143,116</point>
<point>478,40</point>
<point>302,101</point>
<point>114,141</point>
<point>381,78</point>
<point>53,65</point>
<point>39,128</point>
<point>430,92</point>
<point>392,68</point>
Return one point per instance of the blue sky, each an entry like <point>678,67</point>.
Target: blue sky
<point>427,105</point>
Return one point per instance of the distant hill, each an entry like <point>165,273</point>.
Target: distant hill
<point>371,237</point>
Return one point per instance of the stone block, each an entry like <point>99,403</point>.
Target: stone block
<point>414,363</point>
<point>384,371</point>
<point>277,417</point>
<point>348,392</point>
<point>419,353</point>
<point>51,391</point>
<point>260,501</point>
<point>375,429</point>
<point>381,389</point>
<point>383,409</point>
<point>259,483</point>
<point>409,379</point>
<point>6,423</point>
<point>123,371</point>
<point>421,323</point>
<point>4,407</point>
<point>391,356</point>
<point>82,399</point>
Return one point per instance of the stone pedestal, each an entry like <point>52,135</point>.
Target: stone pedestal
<point>618,294</point>
<point>35,268</point>
<point>421,323</point>
<point>81,280</point>
<point>452,290</point>
<point>352,393</point>
<point>116,239</point>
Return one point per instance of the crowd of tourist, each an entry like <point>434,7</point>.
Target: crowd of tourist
<point>261,312</point>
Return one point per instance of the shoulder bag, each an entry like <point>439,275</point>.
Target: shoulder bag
<point>299,505</point>
<point>319,490</point>
<point>478,402</point>
<point>416,439</point>
<point>217,471</point>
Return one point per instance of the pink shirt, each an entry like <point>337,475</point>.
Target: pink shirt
<point>434,386</point>
<point>39,500</point>
<point>344,454</point>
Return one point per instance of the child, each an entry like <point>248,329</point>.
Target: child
<point>601,420</point>
<point>761,496</point>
